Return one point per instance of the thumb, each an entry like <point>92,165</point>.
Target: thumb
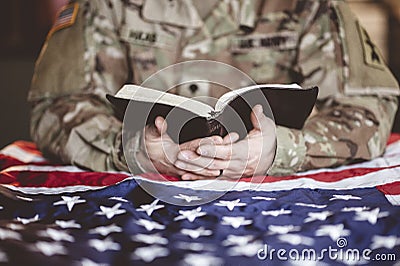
<point>257,117</point>
<point>161,125</point>
<point>157,130</point>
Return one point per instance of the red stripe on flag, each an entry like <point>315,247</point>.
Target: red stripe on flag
<point>390,189</point>
<point>393,138</point>
<point>27,146</point>
<point>328,177</point>
<point>8,161</point>
<point>59,178</point>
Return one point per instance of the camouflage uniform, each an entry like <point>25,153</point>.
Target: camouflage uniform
<point>113,42</point>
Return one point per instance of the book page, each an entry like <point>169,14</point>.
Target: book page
<point>142,94</point>
<point>229,96</point>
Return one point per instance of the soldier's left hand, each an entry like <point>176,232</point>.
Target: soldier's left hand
<point>245,158</point>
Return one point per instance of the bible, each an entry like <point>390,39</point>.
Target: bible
<point>188,119</point>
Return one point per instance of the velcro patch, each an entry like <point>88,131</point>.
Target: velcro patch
<point>279,41</point>
<point>147,38</point>
<point>65,17</point>
<point>372,55</point>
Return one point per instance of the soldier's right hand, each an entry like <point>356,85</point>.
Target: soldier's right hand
<point>158,152</point>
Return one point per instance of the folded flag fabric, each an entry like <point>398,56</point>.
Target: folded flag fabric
<point>62,215</point>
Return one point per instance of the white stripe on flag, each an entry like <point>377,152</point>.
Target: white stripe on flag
<point>21,155</point>
<point>394,199</point>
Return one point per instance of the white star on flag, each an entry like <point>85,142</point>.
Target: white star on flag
<point>314,216</point>
<point>106,230</point>
<point>282,229</point>
<point>88,262</point>
<point>150,253</point>
<point>56,235</point>
<point>371,216</point>
<point>119,199</point>
<point>201,260</point>
<point>333,231</point>
<point>355,209</point>
<point>110,212</point>
<point>67,224</point>
<point>24,198</point>
<point>190,215</point>
<point>263,198</point>
<point>150,239</point>
<point>150,208</point>
<point>104,245</point>
<point>344,197</point>
<point>8,234</point>
<point>388,242</point>
<point>69,201</point>
<point>237,240</point>
<point>28,220</point>
<point>187,198</point>
<point>276,213</point>
<point>150,225</point>
<point>303,259</point>
<point>310,205</point>
<point>193,246</point>
<point>15,227</point>
<point>50,248</point>
<point>230,205</point>
<point>296,240</point>
<point>196,233</point>
<point>352,259</point>
<point>235,222</point>
<point>250,250</point>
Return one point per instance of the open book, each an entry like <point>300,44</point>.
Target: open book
<point>188,119</point>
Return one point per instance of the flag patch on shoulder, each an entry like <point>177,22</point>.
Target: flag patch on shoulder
<point>65,17</point>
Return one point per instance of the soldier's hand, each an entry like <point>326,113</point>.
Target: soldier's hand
<point>158,152</point>
<point>248,157</point>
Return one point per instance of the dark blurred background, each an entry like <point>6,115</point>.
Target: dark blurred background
<point>23,29</point>
<point>24,26</point>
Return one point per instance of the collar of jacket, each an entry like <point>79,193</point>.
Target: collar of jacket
<point>192,13</point>
<point>181,13</point>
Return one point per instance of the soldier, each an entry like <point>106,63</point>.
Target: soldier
<point>97,46</point>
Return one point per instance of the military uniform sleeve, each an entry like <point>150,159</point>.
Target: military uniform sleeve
<point>357,101</point>
<point>81,61</point>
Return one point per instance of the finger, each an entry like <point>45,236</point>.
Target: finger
<point>223,152</point>
<point>177,171</point>
<point>230,138</point>
<point>194,144</point>
<point>197,161</point>
<point>232,174</point>
<point>196,169</point>
<point>191,176</point>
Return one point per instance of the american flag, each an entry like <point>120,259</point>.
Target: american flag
<point>62,215</point>
<point>65,17</point>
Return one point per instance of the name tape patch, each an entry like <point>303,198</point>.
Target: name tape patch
<point>279,41</point>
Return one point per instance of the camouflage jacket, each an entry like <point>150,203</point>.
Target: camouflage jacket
<point>96,46</point>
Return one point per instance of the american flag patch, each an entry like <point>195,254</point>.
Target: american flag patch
<point>65,17</point>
